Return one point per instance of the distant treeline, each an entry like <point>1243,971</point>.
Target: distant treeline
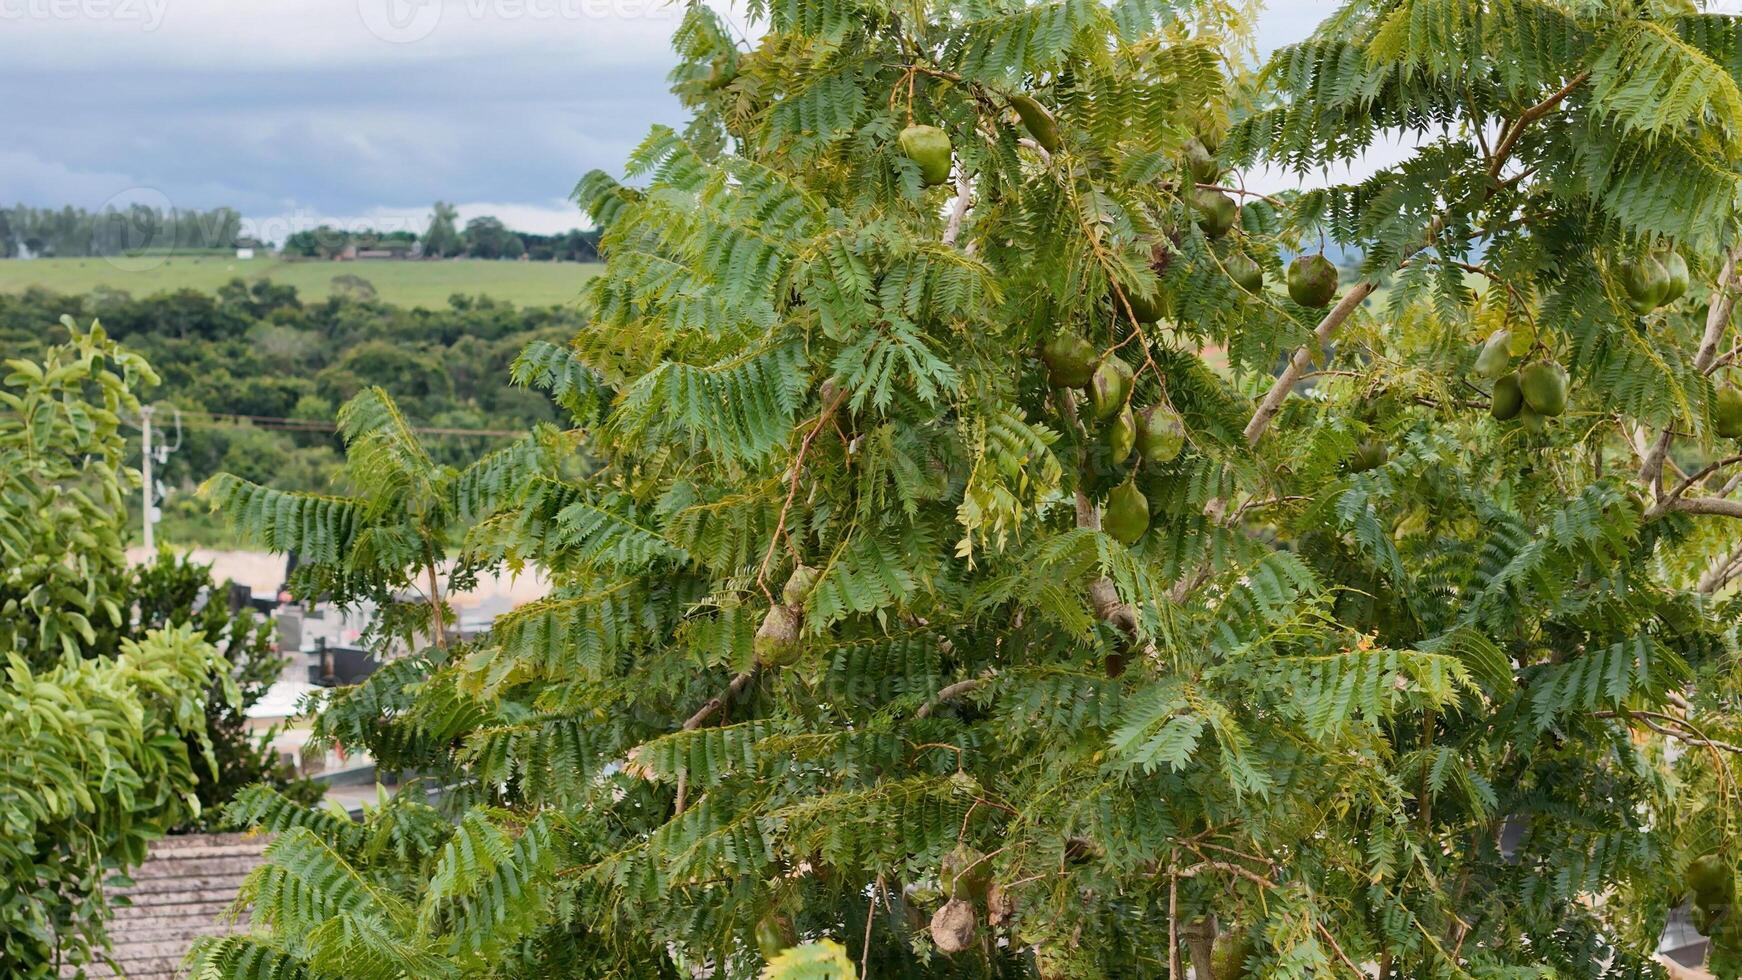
<point>483,237</point>
<point>74,232</point>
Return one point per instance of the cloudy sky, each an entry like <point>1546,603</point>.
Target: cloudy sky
<point>348,111</point>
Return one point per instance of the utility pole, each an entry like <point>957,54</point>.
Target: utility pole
<point>145,475</point>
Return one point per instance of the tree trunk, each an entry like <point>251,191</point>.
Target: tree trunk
<point>1201,941</point>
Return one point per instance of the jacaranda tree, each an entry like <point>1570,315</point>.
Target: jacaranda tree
<point>994,542</point>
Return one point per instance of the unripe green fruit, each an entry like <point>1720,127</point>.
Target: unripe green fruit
<point>1370,454</point>
<point>1496,355</point>
<point>1109,387</point>
<point>1532,420</point>
<point>1147,309</point>
<point>1312,280</point>
<point>799,585</point>
<point>1201,162</point>
<point>1544,385</point>
<point>1727,414</point>
<point>1677,268</point>
<point>1127,514</point>
<point>1711,881</point>
<point>929,147</point>
<point>1070,360</point>
<point>1246,273</point>
<point>965,873</point>
<point>1217,213</point>
<point>775,935</point>
<point>1039,122</point>
<point>1122,435</point>
<point>1646,282</point>
<point>776,643</point>
<point>1160,434</point>
<point>1507,398</point>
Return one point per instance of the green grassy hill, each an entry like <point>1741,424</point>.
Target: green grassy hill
<point>406,283</point>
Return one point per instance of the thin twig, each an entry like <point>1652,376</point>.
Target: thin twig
<point>792,488</point>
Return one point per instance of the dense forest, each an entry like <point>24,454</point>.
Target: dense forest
<point>257,375</point>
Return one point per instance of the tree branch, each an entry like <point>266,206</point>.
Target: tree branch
<point>1706,505</point>
<point>1697,738</point>
<point>718,701</point>
<point>959,207</point>
<point>1721,572</point>
<point>1284,382</point>
<point>1303,359</point>
<point>1503,149</point>
<point>1718,314</point>
<point>950,693</point>
<point>706,711</point>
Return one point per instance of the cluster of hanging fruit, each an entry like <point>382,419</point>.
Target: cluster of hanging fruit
<point>1654,279</point>
<point>776,642</point>
<point>930,149</point>
<point>1217,213</point>
<point>1711,885</point>
<point>1155,432</point>
<point>1533,394</point>
<point>965,876</point>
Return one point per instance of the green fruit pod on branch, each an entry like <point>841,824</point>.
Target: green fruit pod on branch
<point>1201,162</point>
<point>1727,413</point>
<point>1122,434</point>
<point>799,585</point>
<point>776,642</point>
<point>1246,273</point>
<point>1070,360</point>
<point>1533,421</point>
<point>1147,309</point>
<point>1544,385</point>
<point>775,935</point>
<point>1217,213</point>
<point>1037,120</point>
<point>1646,282</point>
<point>1507,398</point>
<point>1710,881</point>
<point>1496,355</point>
<point>1677,269</point>
<point>1109,387</point>
<point>1312,280</point>
<point>1369,454</point>
<point>965,873</point>
<point>1127,514</point>
<point>1160,434</point>
<point>929,147</point>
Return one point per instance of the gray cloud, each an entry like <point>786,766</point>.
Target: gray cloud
<point>315,109</point>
